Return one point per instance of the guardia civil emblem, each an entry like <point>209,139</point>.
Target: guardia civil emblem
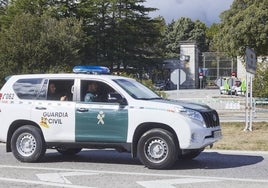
<point>100,117</point>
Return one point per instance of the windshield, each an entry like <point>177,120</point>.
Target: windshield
<point>136,89</point>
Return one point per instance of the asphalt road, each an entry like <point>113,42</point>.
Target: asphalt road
<point>108,168</point>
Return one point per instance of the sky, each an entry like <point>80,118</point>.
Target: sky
<point>207,11</point>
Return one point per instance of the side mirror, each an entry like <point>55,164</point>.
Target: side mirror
<point>116,98</point>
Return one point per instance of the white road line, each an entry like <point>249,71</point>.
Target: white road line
<point>61,177</point>
<point>41,183</point>
<point>167,183</point>
<point>136,173</point>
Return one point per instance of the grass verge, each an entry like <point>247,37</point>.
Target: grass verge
<point>234,138</point>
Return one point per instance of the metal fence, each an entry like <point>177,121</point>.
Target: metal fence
<point>216,65</point>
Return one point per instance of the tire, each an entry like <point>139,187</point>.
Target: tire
<point>190,154</point>
<point>69,151</point>
<point>27,144</point>
<point>157,149</point>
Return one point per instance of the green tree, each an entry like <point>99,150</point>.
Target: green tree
<point>244,24</point>
<point>184,29</point>
<point>63,8</point>
<point>17,7</point>
<point>40,44</point>
<point>260,82</point>
<point>119,32</point>
<point>63,40</point>
<point>198,34</point>
<point>210,33</point>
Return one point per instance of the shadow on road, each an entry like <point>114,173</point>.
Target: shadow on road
<point>92,156</point>
<point>206,160</point>
<point>215,160</point>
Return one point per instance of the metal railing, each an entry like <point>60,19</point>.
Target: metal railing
<point>232,105</point>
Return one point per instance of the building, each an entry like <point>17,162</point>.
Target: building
<point>184,70</point>
<point>194,70</point>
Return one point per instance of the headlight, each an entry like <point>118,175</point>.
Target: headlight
<point>193,114</point>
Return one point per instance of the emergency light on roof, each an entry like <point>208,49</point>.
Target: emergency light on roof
<point>87,69</point>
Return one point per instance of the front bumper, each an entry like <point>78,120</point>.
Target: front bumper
<point>201,139</point>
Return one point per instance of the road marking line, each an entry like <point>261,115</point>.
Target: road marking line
<point>135,173</point>
<point>42,183</point>
<point>61,177</point>
<point>167,183</point>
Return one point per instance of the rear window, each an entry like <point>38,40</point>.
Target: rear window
<point>28,88</point>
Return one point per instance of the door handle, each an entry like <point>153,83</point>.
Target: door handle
<point>82,109</point>
<point>40,108</point>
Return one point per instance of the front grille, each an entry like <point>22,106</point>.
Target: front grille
<point>211,118</point>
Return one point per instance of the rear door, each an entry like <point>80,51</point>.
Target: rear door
<point>55,117</point>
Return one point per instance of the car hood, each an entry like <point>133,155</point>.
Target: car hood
<point>185,104</point>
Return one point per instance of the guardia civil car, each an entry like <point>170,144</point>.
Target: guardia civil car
<point>124,115</point>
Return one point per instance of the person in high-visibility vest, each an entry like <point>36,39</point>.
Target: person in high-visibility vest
<point>226,85</point>
<point>243,86</point>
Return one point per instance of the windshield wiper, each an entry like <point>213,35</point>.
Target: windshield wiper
<point>155,98</point>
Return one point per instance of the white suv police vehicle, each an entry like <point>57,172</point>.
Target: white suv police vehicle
<point>124,115</point>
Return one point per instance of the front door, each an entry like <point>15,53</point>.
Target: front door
<point>99,120</point>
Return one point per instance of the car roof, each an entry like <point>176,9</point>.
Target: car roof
<point>69,75</point>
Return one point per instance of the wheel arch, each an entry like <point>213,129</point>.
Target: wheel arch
<point>14,126</point>
<point>144,127</point>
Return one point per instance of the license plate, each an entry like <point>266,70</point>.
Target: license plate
<point>217,134</point>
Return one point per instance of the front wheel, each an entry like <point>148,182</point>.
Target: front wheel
<point>27,144</point>
<point>157,149</point>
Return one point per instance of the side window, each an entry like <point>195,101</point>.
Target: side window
<point>60,90</point>
<point>95,91</point>
<point>28,88</point>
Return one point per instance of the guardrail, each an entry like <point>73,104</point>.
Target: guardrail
<point>261,101</point>
<point>231,104</point>
<point>230,108</point>
<point>220,103</point>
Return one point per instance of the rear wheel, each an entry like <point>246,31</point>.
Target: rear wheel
<point>157,149</point>
<point>27,144</point>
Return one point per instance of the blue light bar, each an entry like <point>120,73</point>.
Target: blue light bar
<point>88,69</point>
